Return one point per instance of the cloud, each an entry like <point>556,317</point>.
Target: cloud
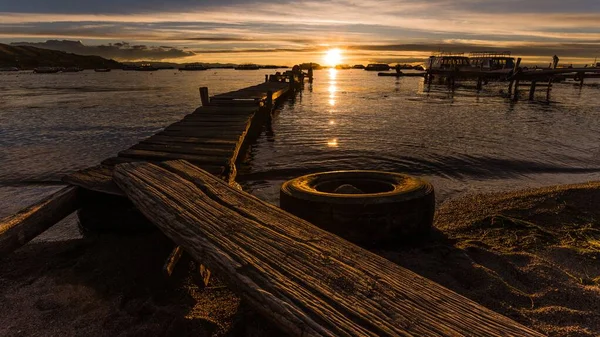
<point>263,26</point>
<point>119,51</point>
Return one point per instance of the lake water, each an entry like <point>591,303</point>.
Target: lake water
<point>461,141</point>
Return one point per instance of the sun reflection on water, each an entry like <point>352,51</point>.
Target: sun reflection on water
<point>332,142</point>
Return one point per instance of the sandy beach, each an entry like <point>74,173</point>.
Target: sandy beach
<point>531,255</point>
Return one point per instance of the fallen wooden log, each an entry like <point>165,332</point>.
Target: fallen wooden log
<point>307,281</point>
<point>18,229</point>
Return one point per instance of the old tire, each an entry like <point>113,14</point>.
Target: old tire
<point>389,207</point>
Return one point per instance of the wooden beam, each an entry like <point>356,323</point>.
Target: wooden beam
<point>18,229</point>
<point>306,281</point>
<point>172,261</point>
<point>532,90</point>
<point>204,98</point>
<point>163,155</point>
<point>96,178</point>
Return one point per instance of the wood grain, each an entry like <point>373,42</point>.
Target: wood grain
<point>18,229</point>
<point>307,281</point>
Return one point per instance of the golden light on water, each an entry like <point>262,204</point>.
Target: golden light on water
<point>333,57</point>
<point>332,142</point>
<point>332,122</point>
<point>332,86</point>
<point>332,74</point>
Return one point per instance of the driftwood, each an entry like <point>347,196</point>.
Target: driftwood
<point>307,281</point>
<point>18,229</point>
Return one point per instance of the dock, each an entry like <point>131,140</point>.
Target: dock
<point>304,280</point>
<point>211,137</point>
<point>535,79</point>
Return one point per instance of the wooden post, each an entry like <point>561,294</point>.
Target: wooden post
<point>291,80</point>
<point>429,79</point>
<point>549,88</point>
<point>516,91</point>
<point>310,74</point>
<point>269,100</point>
<point>532,90</point>
<point>479,83</point>
<point>266,78</point>
<point>204,96</point>
<point>512,77</point>
<point>582,76</point>
<point>172,261</point>
<point>16,230</point>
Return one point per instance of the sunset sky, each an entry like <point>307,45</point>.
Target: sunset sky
<point>288,32</point>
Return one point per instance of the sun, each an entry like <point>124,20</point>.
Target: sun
<point>333,57</point>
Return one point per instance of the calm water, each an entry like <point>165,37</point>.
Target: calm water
<point>463,141</point>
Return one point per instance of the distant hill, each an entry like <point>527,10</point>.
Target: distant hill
<point>27,57</point>
<point>177,65</point>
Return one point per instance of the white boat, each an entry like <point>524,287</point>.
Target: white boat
<point>490,60</point>
<point>447,61</point>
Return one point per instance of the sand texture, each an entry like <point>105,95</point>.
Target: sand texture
<point>531,255</point>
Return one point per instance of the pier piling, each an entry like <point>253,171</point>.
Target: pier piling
<point>204,98</point>
<point>532,90</point>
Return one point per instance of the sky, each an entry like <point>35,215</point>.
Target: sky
<point>286,32</point>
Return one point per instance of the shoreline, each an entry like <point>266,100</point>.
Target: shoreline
<point>531,255</point>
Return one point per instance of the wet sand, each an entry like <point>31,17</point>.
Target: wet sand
<point>531,255</point>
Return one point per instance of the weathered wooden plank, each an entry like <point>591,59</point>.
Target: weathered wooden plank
<point>186,148</point>
<point>174,141</point>
<point>207,131</point>
<point>225,128</point>
<point>97,178</point>
<point>158,155</point>
<point>229,102</point>
<point>195,140</point>
<point>307,281</point>
<point>111,162</point>
<point>231,111</point>
<point>213,118</point>
<point>18,229</point>
<point>204,122</point>
<point>191,132</point>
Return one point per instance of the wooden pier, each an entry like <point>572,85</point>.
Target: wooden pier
<point>303,279</point>
<point>211,137</point>
<point>534,79</point>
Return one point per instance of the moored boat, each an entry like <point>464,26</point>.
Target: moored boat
<point>447,61</point>
<point>358,66</point>
<point>146,67</point>
<point>72,70</point>
<point>247,67</point>
<point>9,69</point>
<point>46,70</point>
<point>490,60</point>
<point>401,74</point>
<point>377,67</point>
<point>102,70</point>
<point>193,67</point>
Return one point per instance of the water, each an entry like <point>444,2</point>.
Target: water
<point>462,141</point>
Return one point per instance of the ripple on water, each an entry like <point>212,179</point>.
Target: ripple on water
<point>461,140</point>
